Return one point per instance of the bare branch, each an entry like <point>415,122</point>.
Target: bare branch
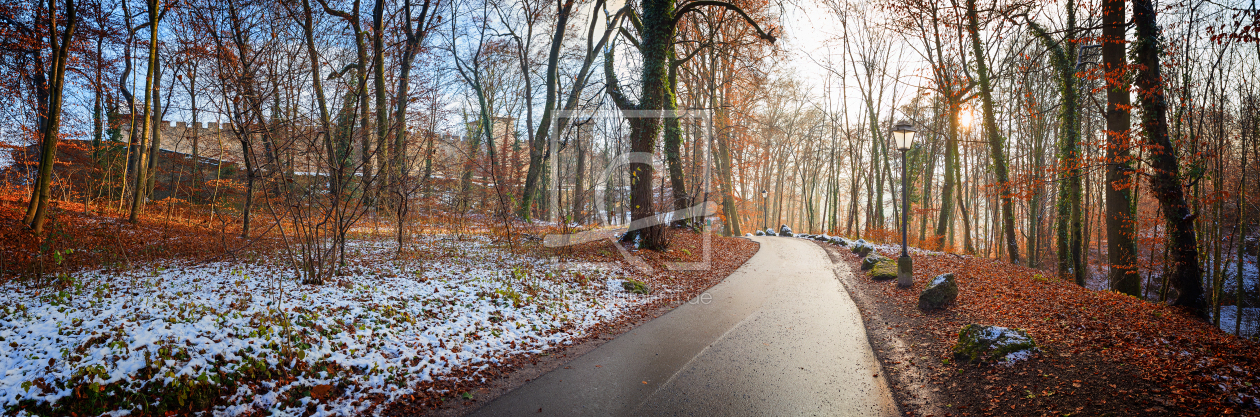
<point>695,5</point>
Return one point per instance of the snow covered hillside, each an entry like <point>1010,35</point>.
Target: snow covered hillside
<point>246,337</point>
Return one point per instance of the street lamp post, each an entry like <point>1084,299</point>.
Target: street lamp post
<point>903,137</point>
<point>765,210</point>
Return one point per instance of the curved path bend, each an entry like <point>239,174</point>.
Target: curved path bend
<point>780,336</point>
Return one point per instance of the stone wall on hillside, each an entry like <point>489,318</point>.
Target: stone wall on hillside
<point>300,149</point>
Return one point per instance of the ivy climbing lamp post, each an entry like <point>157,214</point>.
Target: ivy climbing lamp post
<point>903,138</point>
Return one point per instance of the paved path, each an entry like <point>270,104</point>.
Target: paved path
<point>780,336</point>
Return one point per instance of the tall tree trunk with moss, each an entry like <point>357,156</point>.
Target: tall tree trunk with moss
<point>673,144</point>
<point>657,38</point>
<point>1165,178</point>
<point>658,21</point>
<point>1068,208</point>
<point>994,138</point>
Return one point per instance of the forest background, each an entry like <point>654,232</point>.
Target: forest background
<point>1113,143</point>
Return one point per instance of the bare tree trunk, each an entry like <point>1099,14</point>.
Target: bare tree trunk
<point>98,128</point>
<point>155,145</point>
<point>951,169</point>
<point>1241,231</point>
<point>725,181</point>
<point>1121,248</point>
<point>355,25</point>
<point>1166,178</point>
<point>138,190</point>
<point>969,246</point>
<point>579,175</point>
<point>1250,127</point>
<point>250,175</point>
<point>42,100</point>
<point>927,183</point>
<point>388,170</point>
<point>52,124</point>
<point>538,142</point>
<point>195,127</point>
<point>125,91</point>
<point>1034,205</point>
<point>463,202</point>
<point>414,38</point>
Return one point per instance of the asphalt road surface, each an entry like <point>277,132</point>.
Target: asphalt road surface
<point>780,336</point>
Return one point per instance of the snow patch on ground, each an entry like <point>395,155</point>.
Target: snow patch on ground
<point>894,250</point>
<point>1250,273</point>
<point>1017,356</point>
<point>891,250</point>
<point>1003,337</point>
<point>1250,320</point>
<point>376,333</point>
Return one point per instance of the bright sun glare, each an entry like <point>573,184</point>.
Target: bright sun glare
<point>966,118</point>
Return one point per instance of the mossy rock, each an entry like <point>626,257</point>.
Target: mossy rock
<point>861,248</point>
<point>839,241</point>
<point>979,344</point>
<point>884,270</point>
<point>761,233</point>
<point>870,261</point>
<point>942,291</point>
<point>784,230</point>
<point>770,232</point>
<point>636,287</point>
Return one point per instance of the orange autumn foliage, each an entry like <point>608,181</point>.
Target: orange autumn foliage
<point>75,241</point>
